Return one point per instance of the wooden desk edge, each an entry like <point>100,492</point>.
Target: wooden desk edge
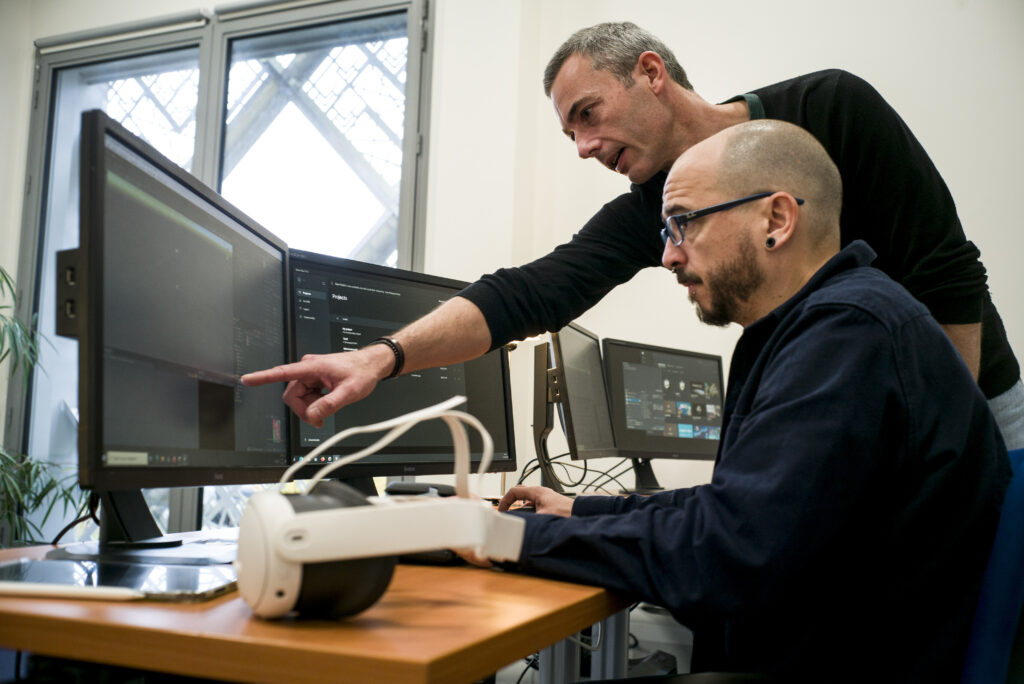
<point>33,625</point>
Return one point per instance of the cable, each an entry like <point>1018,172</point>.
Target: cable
<point>607,476</point>
<point>531,664</point>
<point>594,645</point>
<point>566,466</point>
<point>527,470</point>
<point>533,465</point>
<point>398,426</point>
<point>615,478</point>
<point>601,477</point>
<point>93,503</point>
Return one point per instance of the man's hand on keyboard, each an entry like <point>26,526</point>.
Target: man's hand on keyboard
<point>542,499</point>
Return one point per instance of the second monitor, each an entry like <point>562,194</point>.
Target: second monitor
<point>665,403</point>
<point>342,305</point>
<point>640,402</point>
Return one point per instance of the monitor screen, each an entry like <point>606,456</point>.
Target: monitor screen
<point>665,403</point>
<point>582,400</point>
<point>175,294</point>
<point>342,305</point>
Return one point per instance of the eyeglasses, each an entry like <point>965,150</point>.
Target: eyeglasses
<point>675,226</point>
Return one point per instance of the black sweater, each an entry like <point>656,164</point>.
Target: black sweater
<point>893,198</point>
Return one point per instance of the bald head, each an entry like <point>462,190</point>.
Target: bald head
<point>775,155</point>
<point>766,199</point>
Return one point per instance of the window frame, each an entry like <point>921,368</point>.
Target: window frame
<point>212,33</point>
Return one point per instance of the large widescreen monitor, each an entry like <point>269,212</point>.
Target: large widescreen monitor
<point>665,403</point>
<point>341,305</point>
<point>173,293</point>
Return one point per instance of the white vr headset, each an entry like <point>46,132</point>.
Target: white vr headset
<point>331,551</point>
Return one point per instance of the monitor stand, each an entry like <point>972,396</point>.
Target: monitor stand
<point>128,532</point>
<point>543,415</point>
<point>646,482</point>
<point>363,485</point>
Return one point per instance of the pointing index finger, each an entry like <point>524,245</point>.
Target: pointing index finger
<point>264,377</point>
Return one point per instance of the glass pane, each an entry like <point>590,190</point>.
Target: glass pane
<point>154,96</point>
<point>313,139</point>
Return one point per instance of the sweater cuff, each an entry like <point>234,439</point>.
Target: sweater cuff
<point>955,311</point>
<point>487,300</point>
<point>595,505</point>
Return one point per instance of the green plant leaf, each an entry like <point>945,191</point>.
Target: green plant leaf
<point>27,485</point>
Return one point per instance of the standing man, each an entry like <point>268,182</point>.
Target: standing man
<point>624,100</point>
<point>846,528</point>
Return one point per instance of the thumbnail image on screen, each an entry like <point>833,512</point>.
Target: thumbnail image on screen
<point>342,305</point>
<point>665,402</point>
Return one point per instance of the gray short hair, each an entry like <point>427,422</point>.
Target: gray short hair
<point>614,47</point>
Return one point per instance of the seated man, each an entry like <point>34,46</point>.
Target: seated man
<point>859,478</point>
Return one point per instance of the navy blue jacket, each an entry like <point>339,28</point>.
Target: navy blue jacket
<point>854,498</point>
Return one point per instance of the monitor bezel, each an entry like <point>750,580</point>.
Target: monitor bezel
<point>617,408</point>
<point>564,394</point>
<point>297,259</point>
<point>92,474</point>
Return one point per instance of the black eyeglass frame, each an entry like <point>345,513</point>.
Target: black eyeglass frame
<point>680,220</point>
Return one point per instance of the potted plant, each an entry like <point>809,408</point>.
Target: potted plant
<point>28,485</point>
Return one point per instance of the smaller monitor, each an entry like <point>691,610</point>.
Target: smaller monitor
<point>342,305</point>
<point>665,403</point>
<point>582,400</point>
<point>568,373</point>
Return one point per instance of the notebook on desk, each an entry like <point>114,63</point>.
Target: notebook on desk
<point>115,580</point>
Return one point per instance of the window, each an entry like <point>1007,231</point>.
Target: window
<point>308,118</point>
<point>340,101</point>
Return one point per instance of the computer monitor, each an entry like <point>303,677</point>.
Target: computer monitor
<point>569,374</point>
<point>665,403</point>
<point>342,305</point>
<point>173,293</point>
<point>582,400</point>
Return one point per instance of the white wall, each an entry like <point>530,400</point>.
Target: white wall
<point>505,185</point>
<point>952,68</point>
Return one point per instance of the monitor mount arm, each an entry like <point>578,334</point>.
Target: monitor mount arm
<point>546,391</point>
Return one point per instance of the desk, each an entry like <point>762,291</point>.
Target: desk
<point>433,624</point>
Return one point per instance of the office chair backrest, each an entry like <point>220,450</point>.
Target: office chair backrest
<point>994,640</point>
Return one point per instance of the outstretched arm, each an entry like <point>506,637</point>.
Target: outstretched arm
<point>320,384</point>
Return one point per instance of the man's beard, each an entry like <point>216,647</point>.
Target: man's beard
<point>734,282</point>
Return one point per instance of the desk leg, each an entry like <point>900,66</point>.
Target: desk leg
<point>559,663</point>
<point>609,661</point>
